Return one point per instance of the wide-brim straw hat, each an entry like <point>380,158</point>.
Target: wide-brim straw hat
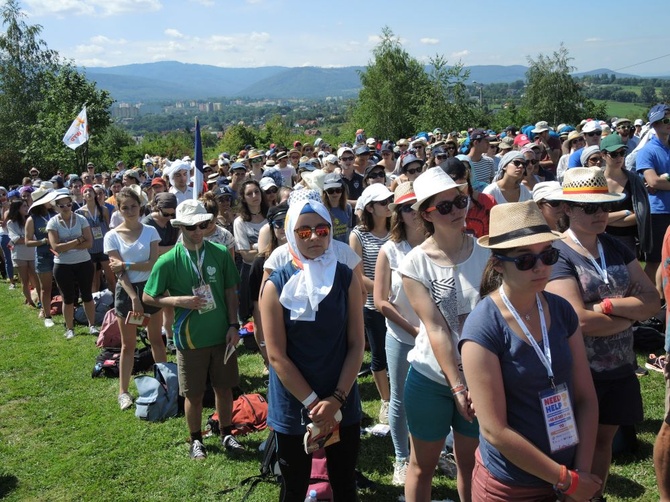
<point>403,194</point>
<point>517,224</point>
<point>41,197</point>
<point>587,184</point>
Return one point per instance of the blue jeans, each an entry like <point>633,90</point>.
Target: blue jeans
<point>398,366</point>
<point>9,266</point>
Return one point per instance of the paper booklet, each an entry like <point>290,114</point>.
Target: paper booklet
<point>316,439</point>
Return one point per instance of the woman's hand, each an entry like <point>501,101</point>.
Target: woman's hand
<point>464,405</point>
<point>323,414</point>
<point>138,309</point>
<point>588,485</point>
<point>117,266</point>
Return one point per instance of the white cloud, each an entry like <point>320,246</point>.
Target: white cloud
<point>206,3</point>
<point>64,8</point>
<point>103,40</point>
<point>374,39</point>
<point>593,39</point>
<point>430,41</point>
<point>89,49</point>
<point>171,32</point>
<point>460,54</point>
<point>93,62</point>
<point>259,37</point>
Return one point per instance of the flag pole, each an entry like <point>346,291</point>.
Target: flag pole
<point>198,173</point>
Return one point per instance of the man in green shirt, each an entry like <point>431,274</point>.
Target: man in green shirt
<point>202,282</point>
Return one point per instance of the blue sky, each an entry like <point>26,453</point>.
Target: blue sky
<point>250,33</point>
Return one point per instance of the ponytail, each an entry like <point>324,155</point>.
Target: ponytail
<point>491,278</point>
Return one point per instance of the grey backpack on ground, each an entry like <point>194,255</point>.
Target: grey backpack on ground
<point>158,395</point>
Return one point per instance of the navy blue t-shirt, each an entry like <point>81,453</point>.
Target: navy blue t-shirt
<point>318,348</point>
<point>524,377</point>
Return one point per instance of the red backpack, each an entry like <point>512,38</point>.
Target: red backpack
<point>250,414</point>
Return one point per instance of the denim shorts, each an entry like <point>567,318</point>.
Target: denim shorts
<point>44,262</point>
<point>431,410</point>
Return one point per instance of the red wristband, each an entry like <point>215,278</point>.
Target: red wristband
<point>574,483</point>
<point>606,306</point>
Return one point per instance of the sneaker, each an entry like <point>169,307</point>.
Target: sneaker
<point>92,330</point>
<point>640,371</point>
<point>48,322</point>
<point>12,286</point>
<point>197,451</point>
<point>125,401</point>
<point>231,444</point>
<point>447,464</point>
<point>69,334</point>
<point>399,473</point>
<point>384,413</point>
<point>655,363</point>
<point>170,346</point>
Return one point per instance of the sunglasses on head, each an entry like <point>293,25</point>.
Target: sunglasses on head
<point>166,215</point>
<point>594,133</point>
<point>617,154</point>
<point>376,174</point>
<point>332,191</point>
<point>445,207</point>
<point>528,261</point>
<point>305,232</point>
<point>414,171</point>
<point>592,208</point>
<point>201,226</point>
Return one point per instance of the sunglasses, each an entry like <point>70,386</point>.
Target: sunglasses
<point>552,203</point>
<point>528,261</point>
<point>295,157</point>
<point>617,154</point>
<point>166,215</point>
<point>306,232</point>
<point>201,226</point>
<point>665,121</point>
<point>376,174</point>
<point>256,160</point>
<point>333,191</point>
<point>407,208</point>
<point>63,206</point>
<point>278,224</point>
<point>384,202</point>
<point>595,160</point>
<point>594,133</point>
<point>272,190</point>
<point>347,159</point>
<point>533,161</point>
<point>441,156</point>
<point>414,171</point>
<point>519,163</point>
<point>592,208</point>
<point>446,206</point>
<point>578,140</point>
<point>451,147</point>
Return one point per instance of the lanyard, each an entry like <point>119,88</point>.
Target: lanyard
<point>602,271</point>
<point>201,259</point>
<point>545,357</point>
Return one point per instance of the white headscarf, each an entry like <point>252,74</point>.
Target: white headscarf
<point>311,284</point>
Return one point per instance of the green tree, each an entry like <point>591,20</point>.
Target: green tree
<point>110,147</point>
<point>393,85</point>
<point>648,95</point>
<point>551,92</point>
<point>274,131</point>
<point>235,138</point>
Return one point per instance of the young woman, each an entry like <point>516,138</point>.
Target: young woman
<point>605,284</point>
<point>402,323</point>
<point>4,238</point>
<point>133,249</point>
<point>574,142</point>
<point>70,237</point>
<point>508,187</point>
<point>37,236</point>
<point>334,197</point>
<point>532,348</point>
<point>246,228</point>
<point>97,216</point>
<point>226,216</point>
<point>23,257</point>
<point>366,240</point>
<point>441,278</point>
<point>311,311</point>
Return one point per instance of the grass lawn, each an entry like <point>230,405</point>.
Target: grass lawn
<point>631,111</point>
<point>62,436</point>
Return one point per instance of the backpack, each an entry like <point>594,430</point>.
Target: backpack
<point>103,301</point>
<point>107,362</point>
<point>56,306</point>
<point>250,414</point>
<point>318,477</point>
<point>158,395</point>
<point>110,333</point>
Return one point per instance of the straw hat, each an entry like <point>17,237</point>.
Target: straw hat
<point>517,224</point>
<point>43,196</point>
<point>585,184</point>
<point>403,193</point>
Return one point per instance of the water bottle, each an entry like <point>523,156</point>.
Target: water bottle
<point>311,497</point>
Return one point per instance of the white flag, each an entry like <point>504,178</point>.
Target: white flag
<point>77,134</point>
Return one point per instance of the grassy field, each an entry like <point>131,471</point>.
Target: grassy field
<point>631,111</point>
<point>62,436</point>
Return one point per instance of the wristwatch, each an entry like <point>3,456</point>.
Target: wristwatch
<point>235,325</point>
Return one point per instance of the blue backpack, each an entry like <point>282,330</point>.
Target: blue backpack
<point>158,395</point>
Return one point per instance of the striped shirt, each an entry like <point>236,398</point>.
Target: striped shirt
<point>370,244</point>
<point>483,169</point>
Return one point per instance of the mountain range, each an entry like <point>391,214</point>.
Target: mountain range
<point>172,80</point>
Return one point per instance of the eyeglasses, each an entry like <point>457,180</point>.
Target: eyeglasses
<point>552,203</point>
<point>446,206</point>
<point>347,159</point>
<point>306,232</point>
<point>594,160</point>
<point>201,226</point>
<point>419,147</point>
<point>63,206</point>
<point>617,154</point>
<point>166,215</point>
<point>407,208</point>
<point>577,140</point>
<point>333,191</point>
<point>376,174</point>
<point>519,163</point>
<point>594,133</point>
<point>272,190</point>
<point>414,171</point>
<point>442,156</point>
<point>528,261</point>
<point>278,224</point>
<point>592,208</point>
<point>384,202</point>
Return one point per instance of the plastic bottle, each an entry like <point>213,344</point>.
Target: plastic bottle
<point>311,497</point>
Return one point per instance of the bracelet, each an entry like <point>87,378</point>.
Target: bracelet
<point>574,483</point>
<point>628,212</point>
<point>562,479</point>
<point>458,389</point>
<point>126,265</point>
<point>309,399</point>
<point>606,306</point>
<point>338,398</point>
<point>463,391</point>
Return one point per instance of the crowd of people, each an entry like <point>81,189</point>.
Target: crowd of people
<point>496,278</point>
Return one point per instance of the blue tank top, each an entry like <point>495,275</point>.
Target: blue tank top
<point>98,228</point>
<point>318,348</point>
<point>40,225</point>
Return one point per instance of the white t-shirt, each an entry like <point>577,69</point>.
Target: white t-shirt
<point>136,252</point>
<point>343,252</point>
<point>494,190</point>
<point>395,253</point>
<point>455,291</point>
<point>182,196</point>
<point>19,251</point>
<point>246,234</point>
<point>66,234</point>
<point>287,173</point>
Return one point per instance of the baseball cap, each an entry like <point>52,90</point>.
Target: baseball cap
<point>657,112</point>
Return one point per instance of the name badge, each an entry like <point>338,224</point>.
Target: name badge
<point>97,232</point>
<point>205,292</point>
<point>559,418</point>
